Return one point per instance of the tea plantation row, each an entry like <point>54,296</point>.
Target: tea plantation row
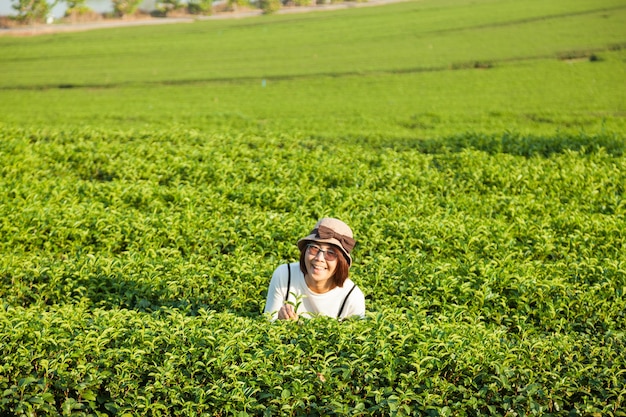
<point>134,265</point>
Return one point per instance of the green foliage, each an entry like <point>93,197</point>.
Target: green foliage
<point>125,7</point>
<point>72,4</point>
<point>304,2</point>
<point>30,11</point>
<point>367,41</point>
<point>404,80</point>
<point>494,274</point>
<point>203,7</point>
<point>77,8</point>
<point>166,6</point>
<point>233,5</point>
<point>144,206</point>
<point>270,6</point>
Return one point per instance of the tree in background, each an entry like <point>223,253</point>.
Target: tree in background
<point>75,4</point>
<point>30,11</point>
<point>233,5</point>
<point>165,7</point>
<point>123,8</point>
<point>77,7</point>
<point>270,6</point>
<point>200,7</point>
<point>169,7</point>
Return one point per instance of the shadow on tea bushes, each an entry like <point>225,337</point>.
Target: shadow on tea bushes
<point>507,143</point>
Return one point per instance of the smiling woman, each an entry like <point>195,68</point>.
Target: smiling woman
<point>319,283</point>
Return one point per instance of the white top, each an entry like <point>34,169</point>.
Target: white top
<point>311,303</point>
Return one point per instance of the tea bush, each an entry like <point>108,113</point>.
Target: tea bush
<point>134,267</point>
<point>150,188</point>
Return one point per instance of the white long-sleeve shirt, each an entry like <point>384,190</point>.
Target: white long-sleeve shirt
<point>311,303</point>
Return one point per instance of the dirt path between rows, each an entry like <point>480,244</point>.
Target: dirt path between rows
<point>45,29</point>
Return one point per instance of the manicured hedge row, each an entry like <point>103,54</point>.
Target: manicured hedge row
<point>134,265</point>
<point>105,362</point>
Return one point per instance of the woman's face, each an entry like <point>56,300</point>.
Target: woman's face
<point>318,267</point>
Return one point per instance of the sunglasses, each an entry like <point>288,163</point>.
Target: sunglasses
<point>329,255</point>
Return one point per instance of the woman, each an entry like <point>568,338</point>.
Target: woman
<point>319,283</point>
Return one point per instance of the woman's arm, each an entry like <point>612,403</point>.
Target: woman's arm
<point>355,305</point>
<point>276,292</point>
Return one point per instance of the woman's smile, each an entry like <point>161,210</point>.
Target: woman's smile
<point>320,270</point>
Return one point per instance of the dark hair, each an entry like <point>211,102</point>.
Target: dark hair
<point>341,271</point>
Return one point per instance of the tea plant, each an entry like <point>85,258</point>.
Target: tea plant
<point>134,268</point>
<point>140,223</point>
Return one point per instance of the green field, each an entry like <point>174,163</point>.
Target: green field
<point>416,69</point>
<point>152,178</point>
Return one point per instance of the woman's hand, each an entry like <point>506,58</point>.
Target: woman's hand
<point>287,312</point>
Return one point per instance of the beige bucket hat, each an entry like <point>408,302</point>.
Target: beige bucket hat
<point>333,231</point>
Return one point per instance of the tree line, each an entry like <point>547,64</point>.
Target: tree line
<point>33,11</point>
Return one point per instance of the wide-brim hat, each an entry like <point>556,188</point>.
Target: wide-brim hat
<point>333,231</point>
